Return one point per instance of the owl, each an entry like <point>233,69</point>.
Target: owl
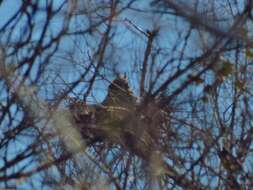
<point>110,116</point>
<point>119,93</point>
<point>118,103</point>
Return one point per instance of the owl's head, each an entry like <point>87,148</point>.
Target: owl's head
<point>119,93</point>
<point>119,84</point>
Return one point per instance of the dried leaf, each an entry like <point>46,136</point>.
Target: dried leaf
<point>249,54</point>
<point>239,84</point>
<point>227,69</point>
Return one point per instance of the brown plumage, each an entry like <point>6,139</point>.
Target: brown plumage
<point>119,93</point>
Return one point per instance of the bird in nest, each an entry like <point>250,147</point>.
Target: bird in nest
<point>116,105</point>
